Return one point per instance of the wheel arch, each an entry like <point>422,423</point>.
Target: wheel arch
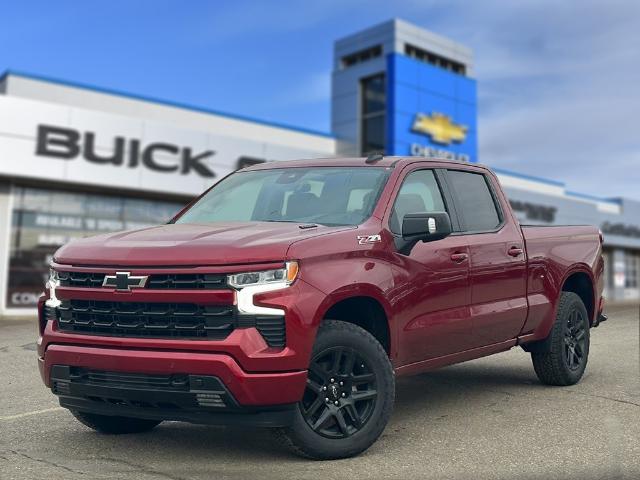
<point>364,307</point>
<point>580,281</point>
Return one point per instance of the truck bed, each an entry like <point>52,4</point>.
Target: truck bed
<point>554,253</point>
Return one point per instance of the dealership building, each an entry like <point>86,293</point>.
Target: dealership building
<point>77,160</point>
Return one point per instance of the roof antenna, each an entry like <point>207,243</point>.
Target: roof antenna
<point>374,157</point>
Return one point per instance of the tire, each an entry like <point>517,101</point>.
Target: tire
<point>563,360</point>
<point>350,413</point>
<point>114,425</point>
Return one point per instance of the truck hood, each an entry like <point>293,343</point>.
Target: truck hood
<point>190,245</point>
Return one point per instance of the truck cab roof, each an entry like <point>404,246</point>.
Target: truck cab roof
<point>383,161</point>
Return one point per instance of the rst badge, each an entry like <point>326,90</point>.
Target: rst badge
<point>367,239</point>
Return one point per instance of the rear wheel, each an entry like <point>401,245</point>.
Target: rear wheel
<point>349,395</point>
<point>564,359</point>
<point>114,425</point>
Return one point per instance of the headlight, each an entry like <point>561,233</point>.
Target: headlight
<point>285,276</point>
<point>53,280</point>
<point>52,284</point>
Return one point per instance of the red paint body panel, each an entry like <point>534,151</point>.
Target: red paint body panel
<point>246,346</point>
<point>247,388</point>
<point>432,301</point>
<point>188,245</point>
<point>554,253</point>
<point>438,311</point>
<point>498,280</point>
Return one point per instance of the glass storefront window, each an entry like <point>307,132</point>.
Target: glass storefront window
<point>631,270</point>
<point>374,104</point>
<point>43,220</point>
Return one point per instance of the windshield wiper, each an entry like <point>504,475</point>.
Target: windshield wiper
<point>278,221</point>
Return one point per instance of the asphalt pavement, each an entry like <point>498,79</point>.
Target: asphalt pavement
<point>489,418</point>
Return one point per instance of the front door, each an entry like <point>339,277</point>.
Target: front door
<point>433,296</point>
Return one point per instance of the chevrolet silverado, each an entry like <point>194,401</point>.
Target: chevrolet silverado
<point>291,294</point>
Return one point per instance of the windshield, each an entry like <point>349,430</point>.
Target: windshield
<point>323,195</point>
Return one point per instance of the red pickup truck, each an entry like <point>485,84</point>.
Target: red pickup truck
<point>291,294</point>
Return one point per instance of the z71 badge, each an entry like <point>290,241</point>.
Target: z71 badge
<point>366,239</point>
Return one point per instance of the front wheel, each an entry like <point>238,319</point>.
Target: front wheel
<point>349,395</point>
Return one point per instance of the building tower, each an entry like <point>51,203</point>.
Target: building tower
<point>402,90</point>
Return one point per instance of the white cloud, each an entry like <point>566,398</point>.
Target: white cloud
<point>558,88</point>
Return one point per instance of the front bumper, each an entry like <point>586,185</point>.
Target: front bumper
<point>188,398</point>
<point>247,389</point>
<point>248,346</point>
<point>261,381</point>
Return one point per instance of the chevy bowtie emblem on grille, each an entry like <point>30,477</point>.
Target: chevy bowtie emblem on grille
<point>124,281</point>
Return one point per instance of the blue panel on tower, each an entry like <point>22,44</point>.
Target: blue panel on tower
<point>430,111</point>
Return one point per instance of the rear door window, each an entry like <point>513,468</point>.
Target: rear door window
<point>478,206</point>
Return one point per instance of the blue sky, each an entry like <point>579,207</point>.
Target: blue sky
<point>557,81</point>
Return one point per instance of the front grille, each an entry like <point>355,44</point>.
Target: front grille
<point>49,313</point>
<point>183,281</point>
<point>115,390</point>
<point>60,388</point>
<point>81,279</point>
<point>176,281</point>
<point>175,382</point>
<point>136,319</point>
<point>163,320</point>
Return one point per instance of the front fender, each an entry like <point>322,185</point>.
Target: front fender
<point>361,290</point>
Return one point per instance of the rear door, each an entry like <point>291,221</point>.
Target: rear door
<point>433,292</point>
<point>497,260</point>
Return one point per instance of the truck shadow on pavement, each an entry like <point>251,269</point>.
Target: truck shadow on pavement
<point>425,398</point>
<point>466,383</point>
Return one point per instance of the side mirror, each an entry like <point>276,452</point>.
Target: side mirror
<point>427,227</point>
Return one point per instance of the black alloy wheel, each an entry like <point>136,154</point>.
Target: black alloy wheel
<point>575,339</point>
<point>341,393</point>
<point>348,398</point>
<point>561,358</point>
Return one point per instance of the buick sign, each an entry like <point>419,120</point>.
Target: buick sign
<point>68,144</point>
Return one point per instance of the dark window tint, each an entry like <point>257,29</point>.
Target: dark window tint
<point>419,193</point>
<point>373,134</point>
<point>373,114</point>
<point>373,94</point>
<point>433,59</point>
<point>361,56</point>
<point>476,201</point>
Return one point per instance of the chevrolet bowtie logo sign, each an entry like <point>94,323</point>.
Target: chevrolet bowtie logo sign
<point>440,128</point>
<point>124,281</point>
